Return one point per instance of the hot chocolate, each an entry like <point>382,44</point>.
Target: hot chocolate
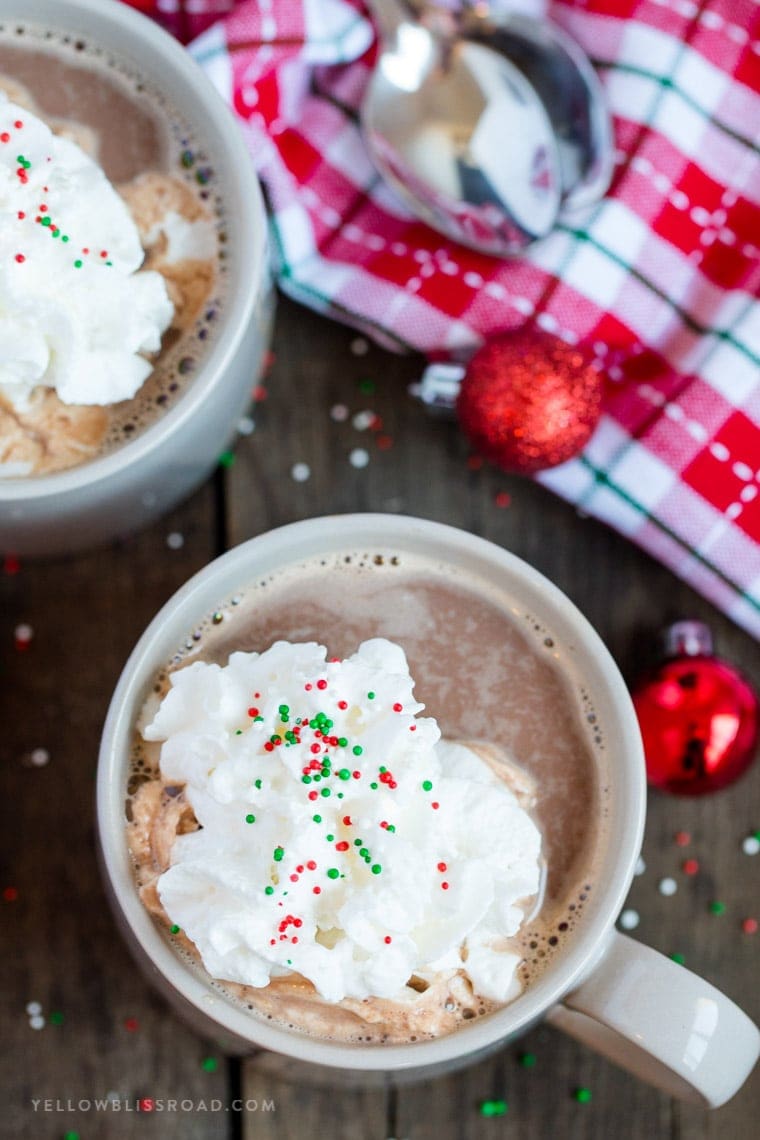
<point>158,167</point>
<point>492,677</point>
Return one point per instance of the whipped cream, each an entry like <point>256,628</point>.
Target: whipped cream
<point>341,838</point>
<point>75,315</point>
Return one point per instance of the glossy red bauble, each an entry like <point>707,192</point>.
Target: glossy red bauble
<point>698,716</point>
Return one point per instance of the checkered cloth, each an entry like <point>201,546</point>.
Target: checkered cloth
<point>658,281</point>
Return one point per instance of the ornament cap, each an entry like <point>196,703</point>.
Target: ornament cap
<point>687,639</point>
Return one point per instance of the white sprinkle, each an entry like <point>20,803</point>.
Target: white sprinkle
<point>363,420</point>
<point>339,413</point>
<point>630,919</point>
<point>246,426</point>
<point>23,632</point>
<point>33,1008</point>
<point>36,1022</point>
<point>667,887</point>
<point>359,457</point>
<point>175,540</point>
<point>359,346</point>
<point>640,867</point>
<point>751,845</point>
<point>39,757</point>
<point>300,472</point>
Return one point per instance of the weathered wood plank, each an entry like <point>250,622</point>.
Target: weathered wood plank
<point>62,948</point>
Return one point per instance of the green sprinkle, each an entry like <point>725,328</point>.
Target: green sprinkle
<point>367,386</point>
<point>226,459</point>
<point>77,264</point>
<point>383,771</point>
<point>174,929</point>
<point>357,750</point>
<point>329,838</point>
<point>187,159</point>
<point>493,1108</point>
<point>391,827</point>
<point>209,1064</point>
<point>344,774</point>
<point>427,785</point>
<point>56,1018</point>
<point>238,732</point>
<point>717,907</point>
<point>376,868</point>
<point>363,852</point>
<point>71,1136</point>
<point>373,785</point>
<point>340,795</point>
<point>46,221</point>
<point>317,778</point>
<point>257,783</point>
<point>65,237</point>
<point>278,854</point>
<point>274,739</point>
<point>317,818</point>
<point>268,890</point>
<point>583,1096</point>
<point>305,779</point>
<point>257,718</point>
<point>342,742</point>
<point>283,710</point>
<point>370,696</point>
<point>358,842</point>
<point>679,958</point>
<point>325,792</point>
<point>250,819</point>
<point>527,1060</point>
<point>333,873</point>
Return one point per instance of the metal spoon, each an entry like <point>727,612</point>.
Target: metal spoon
<point>462,132</point>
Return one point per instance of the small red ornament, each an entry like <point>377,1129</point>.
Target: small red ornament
<point>698,716</point>
<point>529,401</point>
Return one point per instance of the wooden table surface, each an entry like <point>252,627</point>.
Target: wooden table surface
<point>105,1032</point>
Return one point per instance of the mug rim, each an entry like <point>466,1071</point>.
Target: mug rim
<point>246,217</point>
<point>196,598</point>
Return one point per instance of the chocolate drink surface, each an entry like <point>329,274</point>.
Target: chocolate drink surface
<point>492,676</point>
<point>158,165</point>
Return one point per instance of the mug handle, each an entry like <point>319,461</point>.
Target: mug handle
<point>662,1023</point>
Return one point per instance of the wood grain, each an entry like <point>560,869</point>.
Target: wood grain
<point>61,946</point>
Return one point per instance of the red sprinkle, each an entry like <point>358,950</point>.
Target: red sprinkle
<point>308,686</point>
<point>435,805</point>
<point>342,704</point>
<point>690,866</point>
<point>253,712</point>
<point>131,1024</point>
<point>387,940</point>
<point>444,886</point>
<point>357,775</point>
<point>502,499</point>
<point>322,684</point>
<point>21,215</point>
<point>682,838</point>
<point>269,747</point>
<point>5,137</point>
<point>311,865</point>
<point>475,462</point>
<point>313,795</point>
<point>384,442</point>
<point>442,867</point>
<point>294,878</point>
<point>317,890</point>
<point>11,564</point>
<point>342,846</point>
<point>749,926</point>
<point>347,820</point>
<point>18,124</point>
<point>20,258</point>
<point>412,727</point>
<point>10,894</point>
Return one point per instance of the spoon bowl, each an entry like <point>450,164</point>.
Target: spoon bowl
<point>486,125</point>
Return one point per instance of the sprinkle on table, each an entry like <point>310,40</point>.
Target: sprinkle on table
<point>22,636</point>
<point>339,413</point>
<point>359,346</point>
<point>56,1017</point>
<point>300,472</point>
<point>717,907</point>
<point>131,1024</point>
<point>750,925</point>
<point>667,887</point>
<point>751,844</point>
<point>209,1064</point>
<point>629,919</point>
<point>502,499</point>
<point>582,1095</point>
<point>493,1108</point>
<point>527,1060</point>
<point>677,957</point>
<point>10,894</point>
<point>359,457</point>
<point>226,459</point>
<point>175,540</point>
<point>690,866</point>
<point>682,838</point>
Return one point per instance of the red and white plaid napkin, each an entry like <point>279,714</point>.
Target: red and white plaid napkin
<point>659,280</point>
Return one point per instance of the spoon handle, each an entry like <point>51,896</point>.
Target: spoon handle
<point>390,15</point>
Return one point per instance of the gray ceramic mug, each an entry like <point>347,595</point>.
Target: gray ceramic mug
<point>632,1004</point>
<point>128,488</point>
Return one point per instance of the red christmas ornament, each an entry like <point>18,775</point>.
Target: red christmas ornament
<point>698,716</point>
<point>529,401</point>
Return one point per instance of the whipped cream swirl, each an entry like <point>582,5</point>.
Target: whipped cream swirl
<point>341,838</point>
<point>75,315</point>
